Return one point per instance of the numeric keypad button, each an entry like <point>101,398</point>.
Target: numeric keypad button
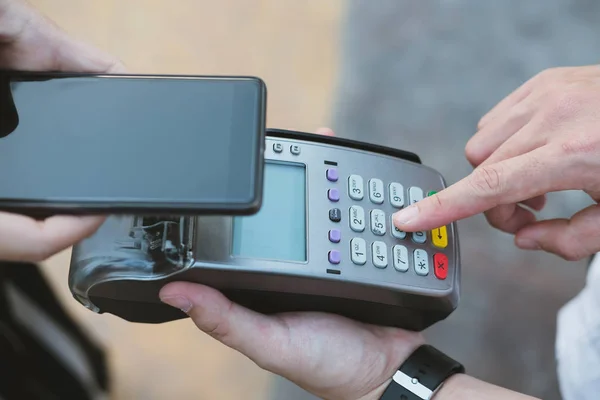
<point>358,251</point>
<point>357,218</point>
<point>419,237</point>
<point>396,195</point>
<point>376,190</point>
<point>356,187</point>
<point>439,237</point>
<point>400,255</point>
<point>421,262</point>
<point>379,252</point>
<point>397,233</point>
<point>378,222</point>
<point>415,194</point>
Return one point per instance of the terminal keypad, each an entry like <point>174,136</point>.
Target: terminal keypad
<point>375,241</point>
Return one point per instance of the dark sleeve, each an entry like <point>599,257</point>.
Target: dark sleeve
<point>45,353</point>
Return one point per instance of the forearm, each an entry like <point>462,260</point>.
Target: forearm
<point>464,387</point>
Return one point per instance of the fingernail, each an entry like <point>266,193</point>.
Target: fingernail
<point>527,243</point>
<point>407,215</point>
<point>178,302</point>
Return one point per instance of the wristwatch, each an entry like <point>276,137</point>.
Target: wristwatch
<point>421,375</point>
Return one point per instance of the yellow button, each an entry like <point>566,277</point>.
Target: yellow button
<point>439,237</point>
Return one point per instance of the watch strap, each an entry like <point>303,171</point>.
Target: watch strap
<point>421,375</point>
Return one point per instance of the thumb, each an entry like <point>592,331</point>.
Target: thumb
<point>505,182</point>
<point>257,336</point>
<point>572,239</point>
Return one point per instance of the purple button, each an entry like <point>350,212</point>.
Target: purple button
<point>334,257</point>
<point>332,174</point>
<point>335,235</point>
<point>333,194</point>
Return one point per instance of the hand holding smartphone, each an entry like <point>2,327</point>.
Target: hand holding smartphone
<point>130,144</point>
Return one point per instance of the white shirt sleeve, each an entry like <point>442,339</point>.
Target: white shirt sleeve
<point>578,341</point>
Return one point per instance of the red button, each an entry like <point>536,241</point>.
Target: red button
<point>440,263</point>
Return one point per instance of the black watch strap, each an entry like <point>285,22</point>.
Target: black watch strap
<point>421,375</point>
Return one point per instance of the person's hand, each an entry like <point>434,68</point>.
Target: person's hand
<point>330,356</point>
<point>29,41</point>
<point>544,137</point>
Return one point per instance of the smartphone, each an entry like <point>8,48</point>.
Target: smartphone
<point>135,144</point>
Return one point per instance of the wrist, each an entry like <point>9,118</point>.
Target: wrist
<point>453,388</point>
<point>403,348</point>
<point>377,392</point>
<point>462,386</point>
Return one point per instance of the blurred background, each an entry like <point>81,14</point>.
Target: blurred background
<point>413,74</point>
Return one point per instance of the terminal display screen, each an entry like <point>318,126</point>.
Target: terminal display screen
<point>278,230</point>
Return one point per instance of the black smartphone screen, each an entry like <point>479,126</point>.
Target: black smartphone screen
<point>131,143</point>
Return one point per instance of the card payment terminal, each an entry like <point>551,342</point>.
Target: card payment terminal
<point>323,240</point>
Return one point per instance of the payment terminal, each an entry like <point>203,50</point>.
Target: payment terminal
<point>322,240</point>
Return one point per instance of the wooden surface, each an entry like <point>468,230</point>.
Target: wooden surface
<point>292,46</point>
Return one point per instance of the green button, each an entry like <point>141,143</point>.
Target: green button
<point>431,193</point>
